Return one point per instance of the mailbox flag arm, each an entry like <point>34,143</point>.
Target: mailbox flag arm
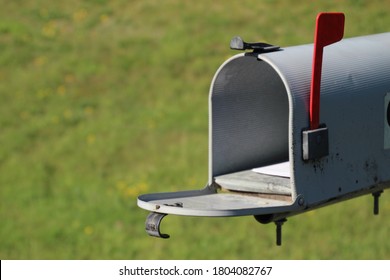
<point>329,30</point>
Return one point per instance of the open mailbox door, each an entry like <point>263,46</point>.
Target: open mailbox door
<point>268,156</point>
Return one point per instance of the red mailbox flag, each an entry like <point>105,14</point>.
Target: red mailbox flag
<point>329,30</point>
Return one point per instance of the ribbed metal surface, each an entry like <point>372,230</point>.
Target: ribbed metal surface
<point>355,80</point>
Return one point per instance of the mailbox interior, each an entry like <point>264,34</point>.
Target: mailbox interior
<point>249,128</point>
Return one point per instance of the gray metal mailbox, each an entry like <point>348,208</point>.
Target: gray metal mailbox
<point>259,118</point>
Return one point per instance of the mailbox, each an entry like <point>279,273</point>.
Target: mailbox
<point>276,149</point>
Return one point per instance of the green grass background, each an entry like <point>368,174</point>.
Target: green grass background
<point>104,100</point>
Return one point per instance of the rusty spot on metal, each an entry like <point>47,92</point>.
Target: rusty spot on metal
<point>371,168</point>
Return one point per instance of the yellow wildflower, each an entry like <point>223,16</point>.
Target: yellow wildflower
<point>88,230</point>
<point>49,29</point>
<point>91,138</point>
<point>79,15</point>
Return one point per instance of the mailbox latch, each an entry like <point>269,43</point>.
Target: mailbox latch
<point>238,44</point>
<point>152,225</point>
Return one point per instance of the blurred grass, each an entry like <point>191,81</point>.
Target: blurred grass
<point>104,100</point>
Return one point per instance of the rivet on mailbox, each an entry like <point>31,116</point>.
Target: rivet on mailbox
<point>270,156</point>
